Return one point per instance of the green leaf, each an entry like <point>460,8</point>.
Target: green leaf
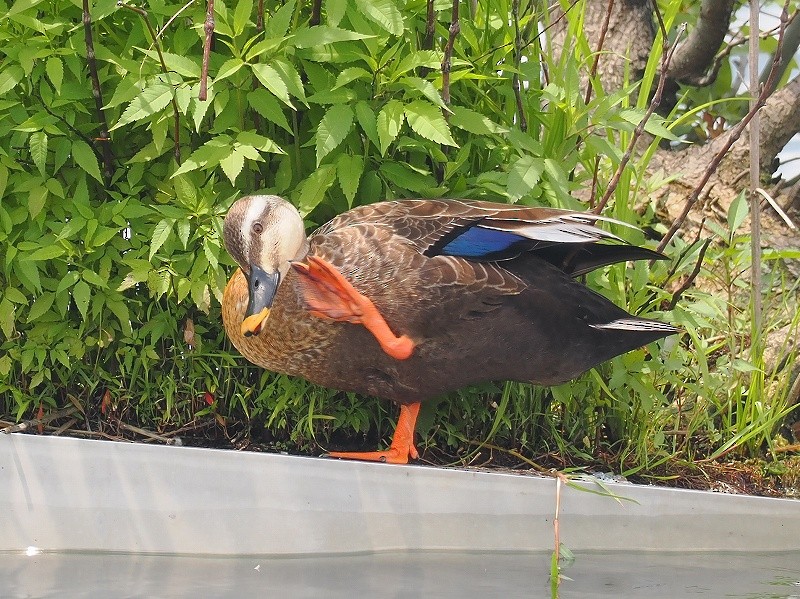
<point>38,146</point>
<point>15,295</point>
<point>384,12</point>
<point>228,68</point>
<point>47,253</point>
<point>95,279</point>
<point>40,306</point>
<point>427,121</point>
<point>36,200</point>
<point>389,122</point>
<point>313,189</point>
<point>333,129</point>
<point>7,318</point>
<point>348,171</point>
<point>120,310</point>
<point>241,15</point>
<point>429,59</point>
<point>334,11</point>
<point>150,100</point>
<point>271,79</point>
<point>265,104</point>
<point>368,122</point>
<point>291,78</point>
<point>183,65</point>
<point>474,122</point>
<point>525,173</point>
<point>232,165</point>
<point>278,24</point>
<point>737,212</point>
<point>55,72</point>
<point>160,234</point>
<point>85,158</point>
<point>9,78</point>
<point>319,35</point>
<point>81,294</point>
<point>407,178</point>
<point>426,88</point>
<point>68,281</point>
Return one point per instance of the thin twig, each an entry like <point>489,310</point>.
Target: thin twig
<point>208,28</point>
<point>666,56</point>
<point>26,424</point>
<point>316,12</point>
<point>455,28</point>
<point>690,279</point>
<point>157,44</point>
<point>775,206</point>
<point>515,82</point>
<point>598,52</point>
<point>733,137</point>
<point>755,176</point>
<point>430,26</point>
<point>104,141</point>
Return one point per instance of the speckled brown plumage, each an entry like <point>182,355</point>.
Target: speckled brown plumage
<point>522,317</point>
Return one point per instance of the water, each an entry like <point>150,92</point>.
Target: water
<point>432,575</point>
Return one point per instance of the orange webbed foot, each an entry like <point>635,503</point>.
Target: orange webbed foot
<point>402,447</point>
<point>329,295</point>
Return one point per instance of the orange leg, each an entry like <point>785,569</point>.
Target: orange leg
<point>329,295</point>
<point>402,446</point>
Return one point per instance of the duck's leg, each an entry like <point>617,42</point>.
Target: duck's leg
<point>329,295</point>
<point>402,446</point>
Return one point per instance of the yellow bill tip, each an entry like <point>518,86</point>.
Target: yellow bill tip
<point>253,323</point>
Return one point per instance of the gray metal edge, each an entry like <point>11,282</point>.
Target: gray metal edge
<point>66,494</point>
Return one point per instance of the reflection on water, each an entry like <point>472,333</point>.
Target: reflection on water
<point>402,575</point>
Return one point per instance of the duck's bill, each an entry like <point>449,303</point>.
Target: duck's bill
<point>252,324</point>
<point>262,287</point>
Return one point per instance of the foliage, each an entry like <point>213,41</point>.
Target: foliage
<point>112,267</point>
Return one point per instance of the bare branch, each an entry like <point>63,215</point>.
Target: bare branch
<point>455,27</point>
<point>208,28</point>
<point>600,42</point>
<point>731,138</point>
<point>430,27</point>
<point>791,41</point>
<point>692,276</point>
<point>695,55</point>
<point>316,11</point>
<point>103,139</point>
<point>666,57</point>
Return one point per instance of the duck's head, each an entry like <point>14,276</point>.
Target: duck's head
<point>263,234</point>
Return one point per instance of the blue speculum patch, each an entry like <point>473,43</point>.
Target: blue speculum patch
<point>478,242</point>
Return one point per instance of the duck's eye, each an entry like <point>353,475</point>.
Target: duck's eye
<point>258,227</point>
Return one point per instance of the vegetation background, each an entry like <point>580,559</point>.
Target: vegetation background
<point>115,175</point>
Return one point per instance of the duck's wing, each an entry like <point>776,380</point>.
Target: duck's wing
<point>483,231</point>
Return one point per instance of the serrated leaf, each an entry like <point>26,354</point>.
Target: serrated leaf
<point>40,306</point>
<point>160,234</point>
<point>368,122</point>
<point>271,79</point>
<point>232,165</point>
<point>15,295</point>
<point>9,78</point>
<point>348,171</point>
<point>95,279</point>
<point>259,142</point>
<point>47,253</point>
<point>654,125</point>
<point>7,318</point>
<point>120,310</point>
<point>85,158</point>
<point>278,24</point>
<point>265,104</point>
<point>183,65</point>
<point>426,88</point>
<point>406,178</point>
<point>201,295</point>
<point>206,156</point>
<point>68,281</point>
<point>333,129</point>
<point>427,121</point>
<point>313,189</point>
<point>474,122</point>
<point>228,68</point>
<point>334,11</point>
<point>36,200</point>
<point>525,173</point>
<point>350,74</point>
<point>37,143</point>
<point>383,12</point>
<point>429,59</point>
<point>55,72</point>
<point>82,294</point>
<point>291,78</point>
<point>319,35</point>
<point>241,15</point>
<point>150,100</point>
<point>737,212</point>
<point>389,122</point>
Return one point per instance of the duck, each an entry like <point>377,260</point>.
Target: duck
<point>409,299</point>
